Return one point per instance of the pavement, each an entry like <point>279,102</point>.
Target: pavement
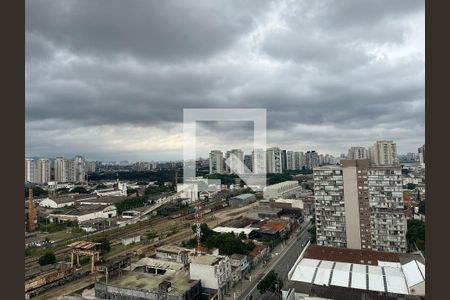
<point>288,252</point>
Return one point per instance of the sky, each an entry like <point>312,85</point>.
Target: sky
<point>109,79</point>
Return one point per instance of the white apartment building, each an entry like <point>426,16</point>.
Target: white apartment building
<point>357,153</point>
<point>214,273</point>
<point>290,160</point>
<point>60,170</point>
<point>216,162</point>
<point>274,164</point>
<point>30,170</point>
<point>299,160</point>
<point>311,159</point>
<point>236,162</point>
<point>421,152</point>
<point>42,174</point>
<point>259,161</point>
<point>383,153</point>
<point>79,169</point>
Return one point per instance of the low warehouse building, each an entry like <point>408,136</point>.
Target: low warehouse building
<point>84,213</point>
<point>242,200</point>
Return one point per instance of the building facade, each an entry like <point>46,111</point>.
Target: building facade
<point>236,162</point>
<point>383,153</point>
<point>215,162</point>
<point>259,161</point>
<point>274,162</point>
<point>357,153</point>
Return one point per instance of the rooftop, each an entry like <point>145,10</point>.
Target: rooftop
<point>274,225</point>
<point>157,263</point>
<point>243,196</point>
<point>150,282</point>
<point>171,249</point>
<point>350,255</point>
<point>206,260</point>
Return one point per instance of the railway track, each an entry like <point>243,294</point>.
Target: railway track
<point>138,228</point>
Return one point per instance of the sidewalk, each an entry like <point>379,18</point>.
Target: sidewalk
<point>261,270</point>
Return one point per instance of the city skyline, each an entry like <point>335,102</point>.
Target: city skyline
<point>113,85</point>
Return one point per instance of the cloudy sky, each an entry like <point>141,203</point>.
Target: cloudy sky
<point>109,79</point>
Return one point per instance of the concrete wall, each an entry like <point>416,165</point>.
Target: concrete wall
<point>352,225</point>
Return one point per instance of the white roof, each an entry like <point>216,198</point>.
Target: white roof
<point>323,273</point>
<point>305,270</point>
<point>414,272</point>
<point>376,282</point>
<point>380,278</point>
<point>395,280</point>
<point>341,274</point>
<point>222,229</point>
<point>389,264</point>
<point>359,277</point>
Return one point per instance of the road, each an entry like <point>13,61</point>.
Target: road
<point>281,263</point>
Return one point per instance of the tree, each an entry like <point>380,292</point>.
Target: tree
<point>312,232</point>
<point>411,186</point>
<point>80,190</point>
<point>104,244</point>
<point>47,259</point>
<point>37,192</point>
<point>422,207</point>
<point>270,283</point>
<point>242,235</point>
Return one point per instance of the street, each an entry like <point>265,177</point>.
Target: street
<point>281,264</point>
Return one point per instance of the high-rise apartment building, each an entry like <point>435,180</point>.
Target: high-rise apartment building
<point>283,159</point>
<point>215,162</point>
<point>79,169</point>
<point>274,164</point>
<point>329,206</point>
<point>259,161</point>
<point>30,170</point>
<point>248,162</point>
<point>42,174</point>
<point>299,160</point>
<point>383,153</point>
<point>421,152</point>
<point>360,206</point>
<point>290,160</point>
<point>236,162</point>
<point>60,170</point>
<point>311,159</point>
<point>357,153</point>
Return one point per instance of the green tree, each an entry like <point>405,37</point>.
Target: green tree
<point>411,186</point>
<point>37,192</point>
<point>80,190</point>
<point>47,259</point>
<point>242,235</point>
<point>104,244</point>
<point>271,282</point>
<point>422,207</point>
<point>312,232</point>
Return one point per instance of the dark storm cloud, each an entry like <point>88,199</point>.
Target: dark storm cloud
<point>115,75</point>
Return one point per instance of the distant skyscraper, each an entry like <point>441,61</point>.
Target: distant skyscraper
<point>42,170</point>
<point>290,161</point>
<point>357,153</point>
<point>79,169</point>
<point>312,159</point>
<point>30,170</point>
<point>215,162</point>
<point>299,160</point>
<point>383,153</point>
<point>259,161</point>
<point>60,170</point>
<point>421,152</point>
<point>248,162</point>
<point>236,162</point>
<point>283,160</point>
<point>274,164</point>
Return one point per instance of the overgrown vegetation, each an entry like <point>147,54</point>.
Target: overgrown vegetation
<point>227,243</point>
<point>37,192</point>
<point>416,233</point>
<point>47,259</point>
<point>80,190</point>
<point>132,203</point>
<point>271,282</point>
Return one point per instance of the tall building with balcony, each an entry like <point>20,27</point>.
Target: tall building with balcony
<point>248,162</point>
<point>236,160</point>
<point>259,161</point>
<point>215,162</point>
<point>360,206</point>
<point>79,169</point>
<point>290,160</point>
<point>387,218</point>
<point>299,160</point>
<point>274,163</point>
<point>60,170</point>
<point>421,152</point>
<point>330,207</point>
<point>30,170</point>
<point>311,159</point>
<point>383,153</point>
<point>42,171</point>
<point>357,153</point>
